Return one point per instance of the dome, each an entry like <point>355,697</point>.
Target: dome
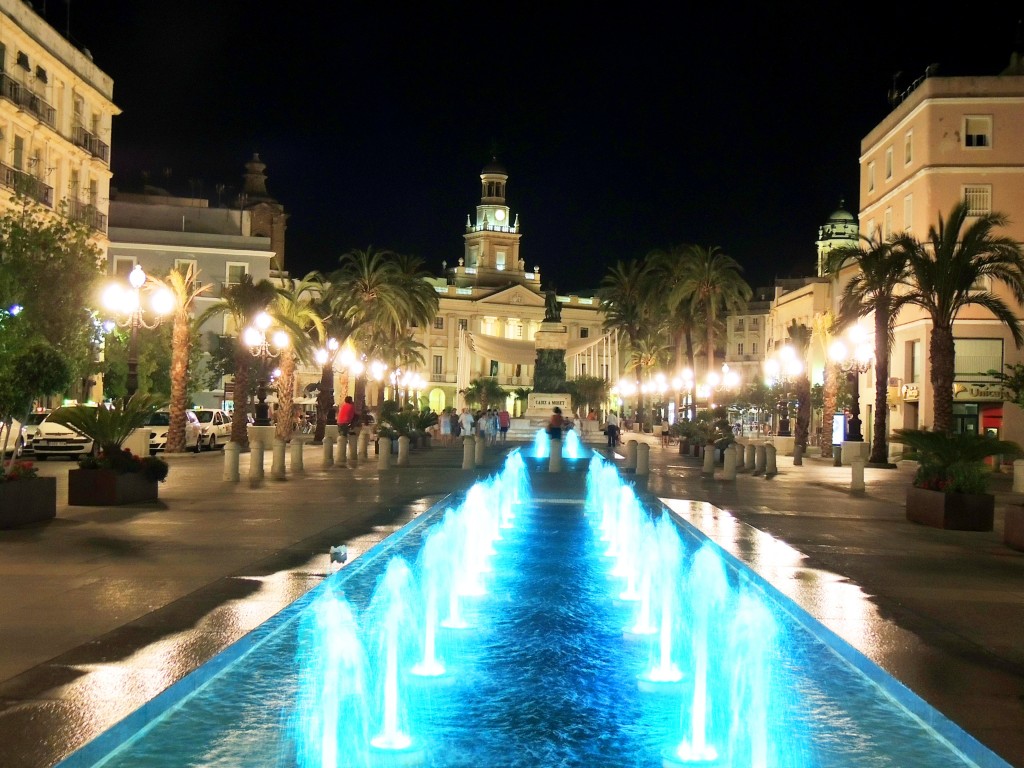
<point>494,167</point>
<point>841,214</point>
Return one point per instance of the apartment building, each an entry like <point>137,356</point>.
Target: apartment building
<point>56,108</point>
<point>948,139</point>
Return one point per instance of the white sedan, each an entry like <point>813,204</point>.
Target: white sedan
<point>160,422</point>
<point>216,427</point>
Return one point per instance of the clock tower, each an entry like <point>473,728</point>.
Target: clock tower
<point>492,242</point>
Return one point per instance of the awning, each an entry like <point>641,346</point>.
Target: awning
<point>519,352</point>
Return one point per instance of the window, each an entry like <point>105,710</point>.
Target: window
<point>19,153</point>
<point>41,74</point>
<point>123,266</point>
<point>439,322</point>
<point>519,331</point>
<point>908,148</point>
<point>739,325</point>
<point>888,164</point>
<point>739,348</point>
<point>235,272</point>
<point>437,366</point>
<point>978,131</point>
<point>463,324</point>
<point>871,177</point>
<point>584,333</point>
<point>753,323</point>
<point>908,213</point>
<point>499,260</point>
<point>23,61</point>
<point>978,199</point>
<point>887,223</point>
<point>753,347</point>
<point>183,266</point>
<point>494,368</point>
<point>974,358</point>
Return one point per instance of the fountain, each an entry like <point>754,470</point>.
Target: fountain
<point>497,630</point>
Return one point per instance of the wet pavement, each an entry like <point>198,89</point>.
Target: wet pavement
<point>103,608</point>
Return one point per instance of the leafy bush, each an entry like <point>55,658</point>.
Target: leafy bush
<point>953,463</point>
<point>123,461</point>
<point>109,427</point>
<point>19,470</point>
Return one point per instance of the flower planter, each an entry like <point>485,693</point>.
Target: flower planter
<point>1013,531</point>
<point>105,487</point>
<point>952,511</point>
<point>28,500</point>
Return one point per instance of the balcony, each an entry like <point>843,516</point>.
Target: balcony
<point>86,213</point>
<point>27,101</point>
<point>26,184</point>
<point>443,378</point>
<point>90,143</point>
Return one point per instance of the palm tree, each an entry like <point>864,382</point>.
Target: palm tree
<point>485,390</point>
<point>711,283</point>
<point>669,268</point>
<point>184,289</point>
<point>521,395</point>
<point>945,274</point>
<point>243,301</point>
<point>294,308</point>
<point>626,300</point>
<point>800,337</point>
<point>881,268</point>
<point>822,333</point>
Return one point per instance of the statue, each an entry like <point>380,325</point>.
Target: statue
<point>552,309</point>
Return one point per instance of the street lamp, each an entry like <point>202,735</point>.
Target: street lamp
<point>853,357</point>
<point>783,368</point>
<point>255,337</point>
<point>128,302</point>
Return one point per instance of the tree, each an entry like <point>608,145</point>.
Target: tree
<point>822,333</point>
<point>521,395</point>
<point>294,307</point>
<point>669,269</point>
<point>946,273</point>
<point>184,288</point>
<point>485,390</point>
<point>626,299</point>
<point>881,268</point>
<point>800,337</point>
<point>243,301</point>
<point>587,392</point>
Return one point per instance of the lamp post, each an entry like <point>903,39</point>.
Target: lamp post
<point>255,337</point>
<point>783,368</point>
<point>128,303</point>
<point>853,357</point>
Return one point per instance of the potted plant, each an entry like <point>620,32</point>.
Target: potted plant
<point>24,497</point>
<point>950,487</point>
<point>114,475</point>
<point>423,422</point>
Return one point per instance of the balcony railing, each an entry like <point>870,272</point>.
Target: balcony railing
<point>26,184</point>
<point>443,378</point>
<point>14,91</point>
<point>90,143</point>
<point>84,212</point>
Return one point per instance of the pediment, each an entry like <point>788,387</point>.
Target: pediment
<point>516,295</point>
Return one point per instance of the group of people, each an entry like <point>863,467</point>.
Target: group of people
<point>490,425</point>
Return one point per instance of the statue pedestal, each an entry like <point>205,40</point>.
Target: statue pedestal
<point>549,370</point>
<point>539,405</point>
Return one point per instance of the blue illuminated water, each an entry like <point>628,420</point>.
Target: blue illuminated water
<point>499,631</point>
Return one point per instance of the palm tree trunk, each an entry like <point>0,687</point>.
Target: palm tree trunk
<point>180,344</point>
<point>324,401</point>
<point>286,396</point>
<point>829,396</point>
<point>942,352</point>
<point>803,411</point>
<point>879,438</point>
<point>239,422</point>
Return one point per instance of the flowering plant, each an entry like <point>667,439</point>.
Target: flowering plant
<point>19,470</point>
<point>953,463</point>
<point>123,461</point>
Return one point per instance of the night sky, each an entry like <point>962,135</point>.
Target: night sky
<point>622,131</point>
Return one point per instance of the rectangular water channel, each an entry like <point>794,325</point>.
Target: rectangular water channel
<point>550,669</point>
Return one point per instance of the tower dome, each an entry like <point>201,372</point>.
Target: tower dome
<point>494,167</point>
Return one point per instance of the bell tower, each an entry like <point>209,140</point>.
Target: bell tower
<point>491,256</point>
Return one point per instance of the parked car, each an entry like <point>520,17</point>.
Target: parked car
<point>160,422</point>
<point>53,439</point>
<point>216,427</point>
<point>31,429</point>
<point>15,444</point>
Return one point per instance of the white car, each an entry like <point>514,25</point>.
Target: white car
<point>216,427</point>
<point>53,439</point>
<point>31,428</point>
<point>14,441</point>
<point>160,422</point>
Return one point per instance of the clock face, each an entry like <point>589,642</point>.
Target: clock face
<point>499,215</point>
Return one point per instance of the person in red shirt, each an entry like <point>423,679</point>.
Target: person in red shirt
<point>555,425</point>
<point>346,416</point>
<point>504,421</point>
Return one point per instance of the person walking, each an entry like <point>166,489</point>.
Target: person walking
<point>466,422</point>
<point>555,424</point>
<point>445,423</point>
<point>612,428</point>
<point>504,422</point>
<point>346,416</point>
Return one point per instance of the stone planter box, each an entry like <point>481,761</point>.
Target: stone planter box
<point>27,501</point>
<point>1013,531</point>
<point>952,511</point>
<point>105,487</point>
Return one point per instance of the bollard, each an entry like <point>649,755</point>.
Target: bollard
<point>857,475</point>
<point>296,454</point>
<point>277,470</point>
<point>481,443</point>
<point>468,452</point>
<point>353,450</point>
<point>328,458</point>
<point>555,456</point>
<point>751,458</point>
<point>384,453</point>
<point>770,467</point>
<point>231,451</point>
<point>643,459</point>
<point>1018,475</point>
<point>255,462</point>
<point>340,447</point>
<point>630,464</point>
<point>403,451</point>
<point>798,455</point>
<point>729,462</point>
<point>837,455</point>
<point>709,459</point>
<point>759,459</point>
<point>363,443</point>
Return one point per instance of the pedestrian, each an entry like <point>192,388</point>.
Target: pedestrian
<point>453,417</point>
<point>446,428</point>
<point>492,426</point>
<point>612,429</point>
<point>555,424</point>
<point>346,416</point>
<point>466,422</point>
<point>504,422</point>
